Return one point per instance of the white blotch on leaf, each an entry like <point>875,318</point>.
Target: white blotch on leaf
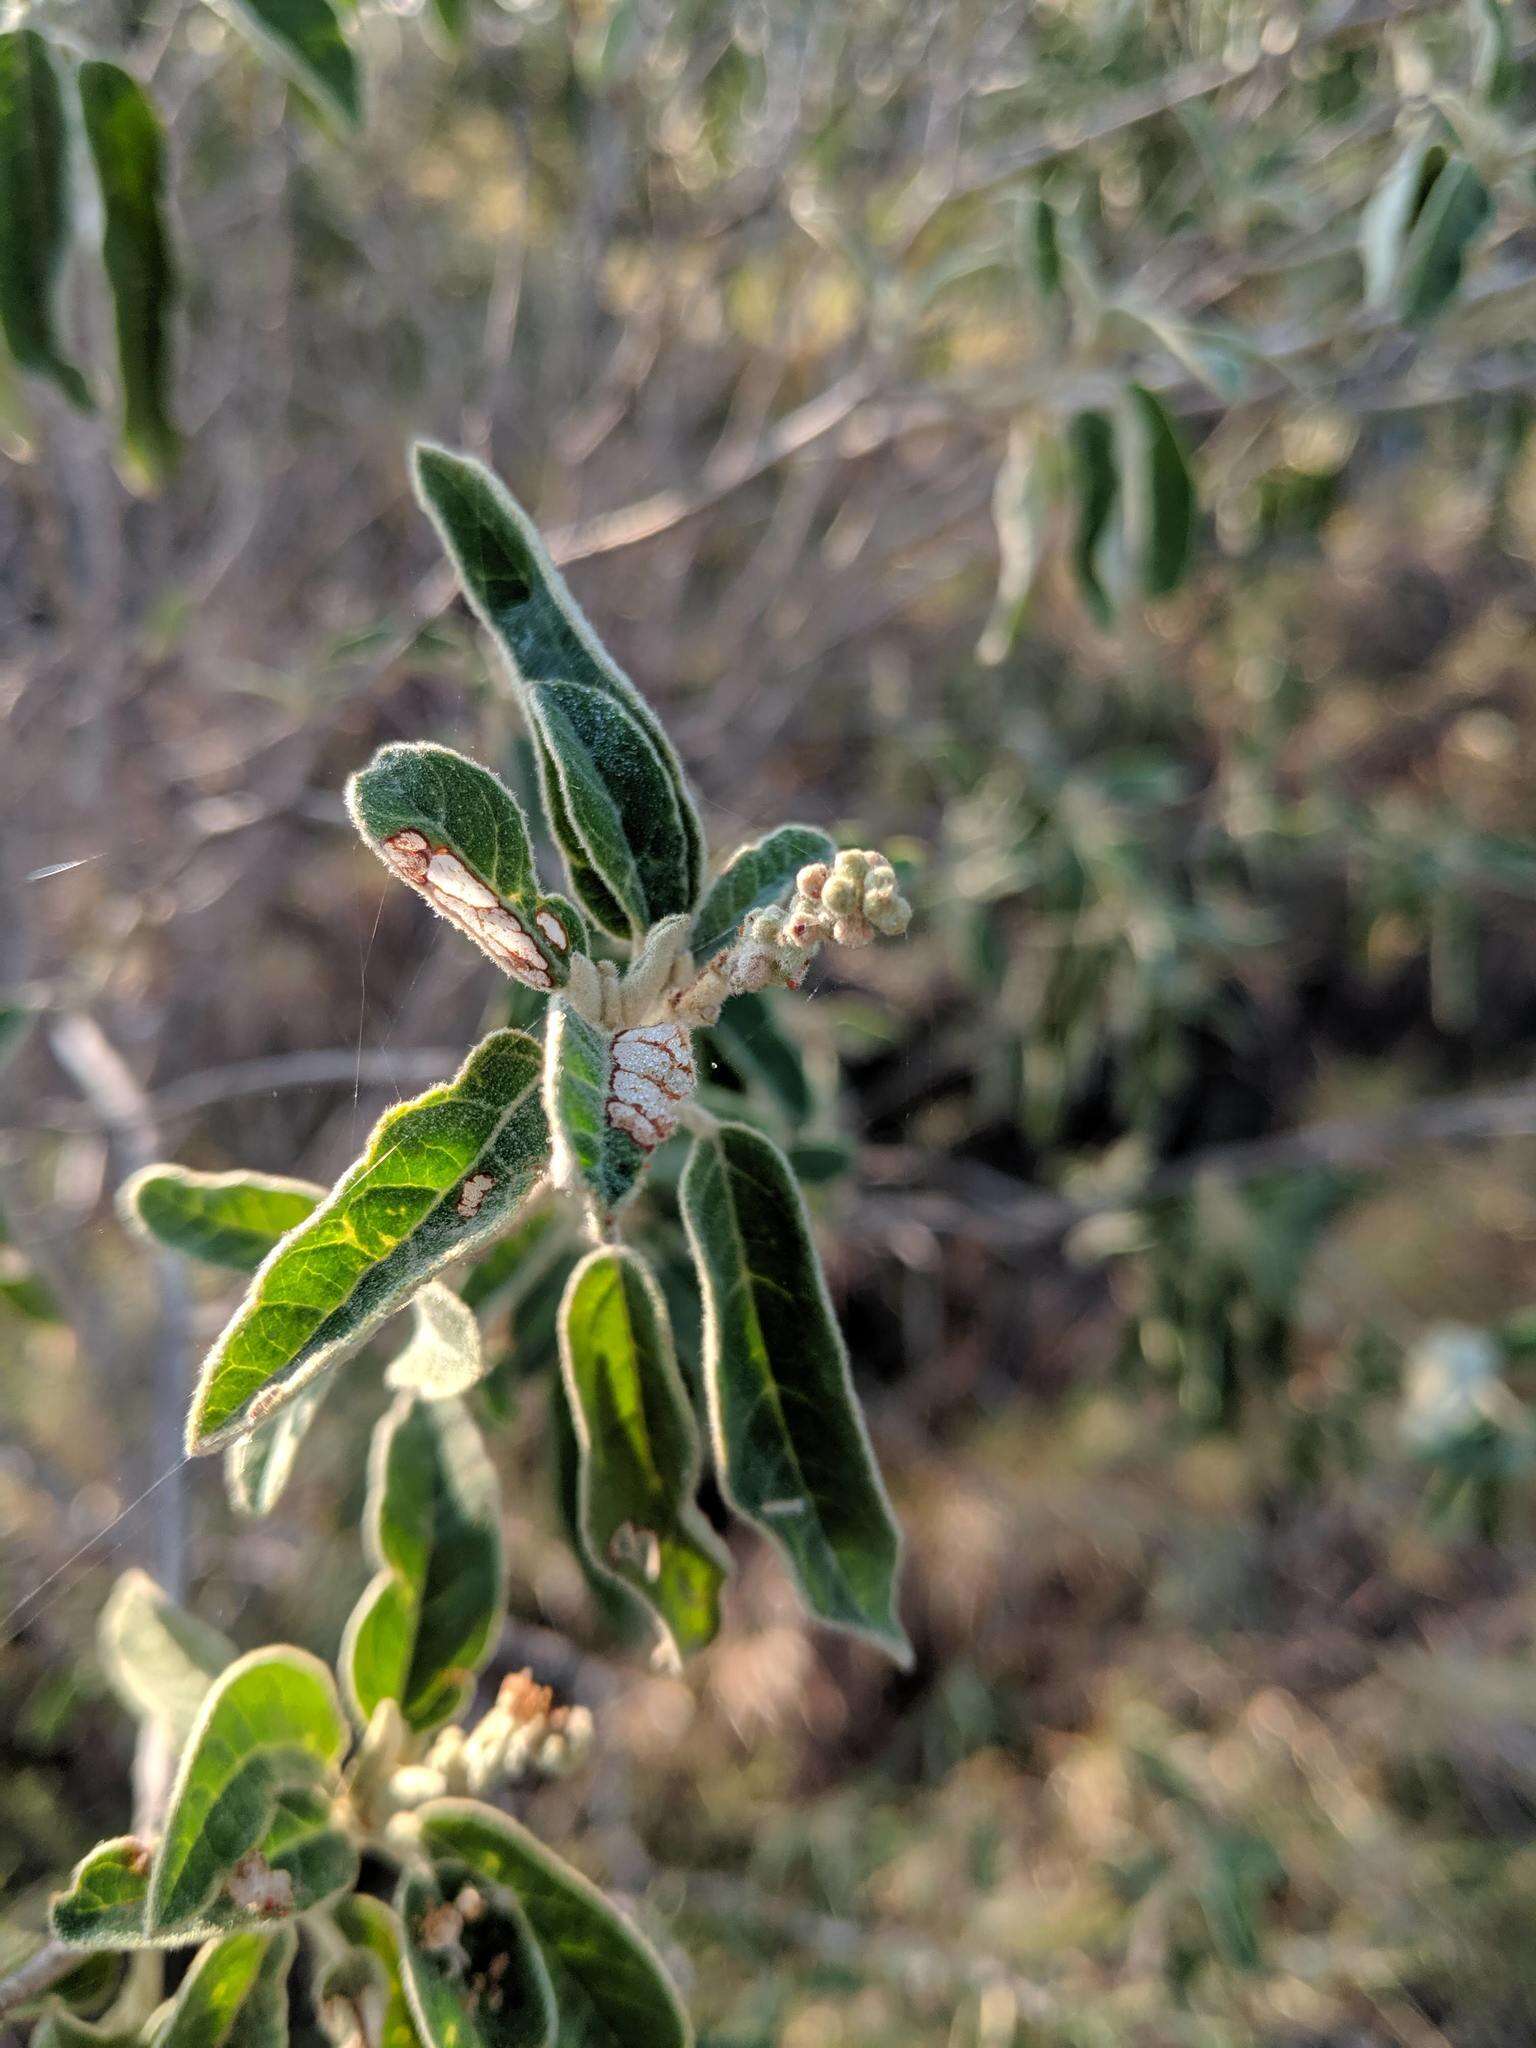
<point>473,1193</point>
<point>652,1077</point>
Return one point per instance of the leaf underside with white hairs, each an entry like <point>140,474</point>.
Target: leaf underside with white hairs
<point>441,1176</point>
<point>754,877</point>
<point>639,1457</point>
<point>618,804</point>
<point>791,1448</point>
<point>159,1660</point>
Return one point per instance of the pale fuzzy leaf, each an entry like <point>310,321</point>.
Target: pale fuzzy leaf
<point>224,1219</point>
<point>638,1449</point>
<point>455,834</point>
<point>1389,214</point>
<point>159,1660</point>
<point>621,796</point>
<point>755,876</point>
<point>441,1176</point>
<point>1020,507</point>
<point>589,1154</point>
<point>36,210</point>
<point>269,1740</point>
<point>490,1989</point>
<point>610,1986</point>
<point>235,1995</point>
<point>791,1448</point>
<point>128,150</point>
<point>444,1355</point>
<point>258,1466</point>
<point>425,1626</point>
<point>305,39</point>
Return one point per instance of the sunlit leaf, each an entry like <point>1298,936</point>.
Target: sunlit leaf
<point>455,833</point>
<point>235,1995</point>
<point>305,39</point>
<point>103,1904</point>
<point>258,1466</point>
<point>159,1659</point>
<point>36,210</point>
<point>589,1153</point>
<point>609,1983</point>
<point>427,1623</point>
<point>619,793</point>
<point>128,150</point>
<point>638,1449</point>
<point>440,1177</point>
<point>793,1453</point>
<point>224,1219</point>
<point>444,1355</point>
<point>755,876</point>
<point>473,1979</point>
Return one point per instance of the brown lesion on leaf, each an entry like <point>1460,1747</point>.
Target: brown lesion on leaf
<point>652,1075</point>
<point>255,1887</point>
<point>472,1194</point>
<point>439,874</point>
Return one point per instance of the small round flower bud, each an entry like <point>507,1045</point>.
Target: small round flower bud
<point>841,893</point>
<point>890,916</point>
<point>881,876</point>
<point>853,864</point>
<point>812,880</point>
<point>804,928</point>
<point>762,927</point>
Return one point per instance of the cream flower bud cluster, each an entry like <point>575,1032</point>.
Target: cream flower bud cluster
<point>525,1735</point>
<point>847,903</point>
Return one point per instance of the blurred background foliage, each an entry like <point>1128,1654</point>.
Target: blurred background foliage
<point>1083,449</point>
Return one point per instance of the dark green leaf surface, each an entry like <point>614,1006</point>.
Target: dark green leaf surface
<point>1455,213</point>
<point>748,1037</point>
<point>36,209</point>
<point>489,1988</point>
<point>426,1625</point>
<point>790,1442</point>
<point>467,814</point>
<point>440,1177</point>
<point>754,877</point>
<point>619,790</point>
<point>103,1904</point>
<point>235,1995</point>
<point>371,1926</point>
<point>517,1259</point>
<point>305,38</point>
<point>258,1773</point>
<point>128,150</point>
<point>599,901</point>
<point>224,1219</point>
<point>1160,492</point>
<point>589,1153</point>
<point>1096,486</point>
<point>609,1983</point>
<point>638,1448</point>
<point>159,1660</point>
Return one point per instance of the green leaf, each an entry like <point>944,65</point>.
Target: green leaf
<point>258,1774</point>
<point>790,1443</point>
<point>224,1219</point>
<point>602,906</point>
<point>235,1995</point>
<point>425,1626</point>
<point>258,1466</point>
<point>748,1037</point>
<point>1455,213</point>
<point>513,1263</point>
<point>1096,485</point>
<point>128,150</point>
<point>103,1904</point>
<point>609,1983</point>
<point>305,39</point>
<point>452,18</point>
<point>441,1176</point>
<point>159,1660</point>
<point>1160,494</point>
<point>619,790</point>
<point>369,1925</point>
<point>473,1979</point>
<point>755,876</point>
<point>455,834</point>
<point>36,210</point>
<point>1045,247</point>
<point>444,1355</point>
<point>589,1153</point>
<point>1021,502</point>
<point>639,1449</point>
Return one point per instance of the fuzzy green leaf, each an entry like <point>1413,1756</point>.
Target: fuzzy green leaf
<point>427,1623</point>
<point>257,1774</point>
<point>638,1448</point>
<point>36,210</point>
<point>305,39</point>
<point>224,1219</point>
<point>159,1660</point>
<point>444,1355</point>
<point>1096,486</point>
<point>516,1260</point>
<point>235,1995</point>
<point>372,1927</point>
<point>128,150</point>
<point>1160,494</point>
<point>755,876</point>
<point>455,833</point>
<point>258,1466</point>
<point>610,1986</point>
<point>103,1904</point>
<point>790,1443</point>
<point>487,1987</point>
<point>589,1153</point>
<point>619,794</point>
<point>441,1176</point>
<point>748,1037</point>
